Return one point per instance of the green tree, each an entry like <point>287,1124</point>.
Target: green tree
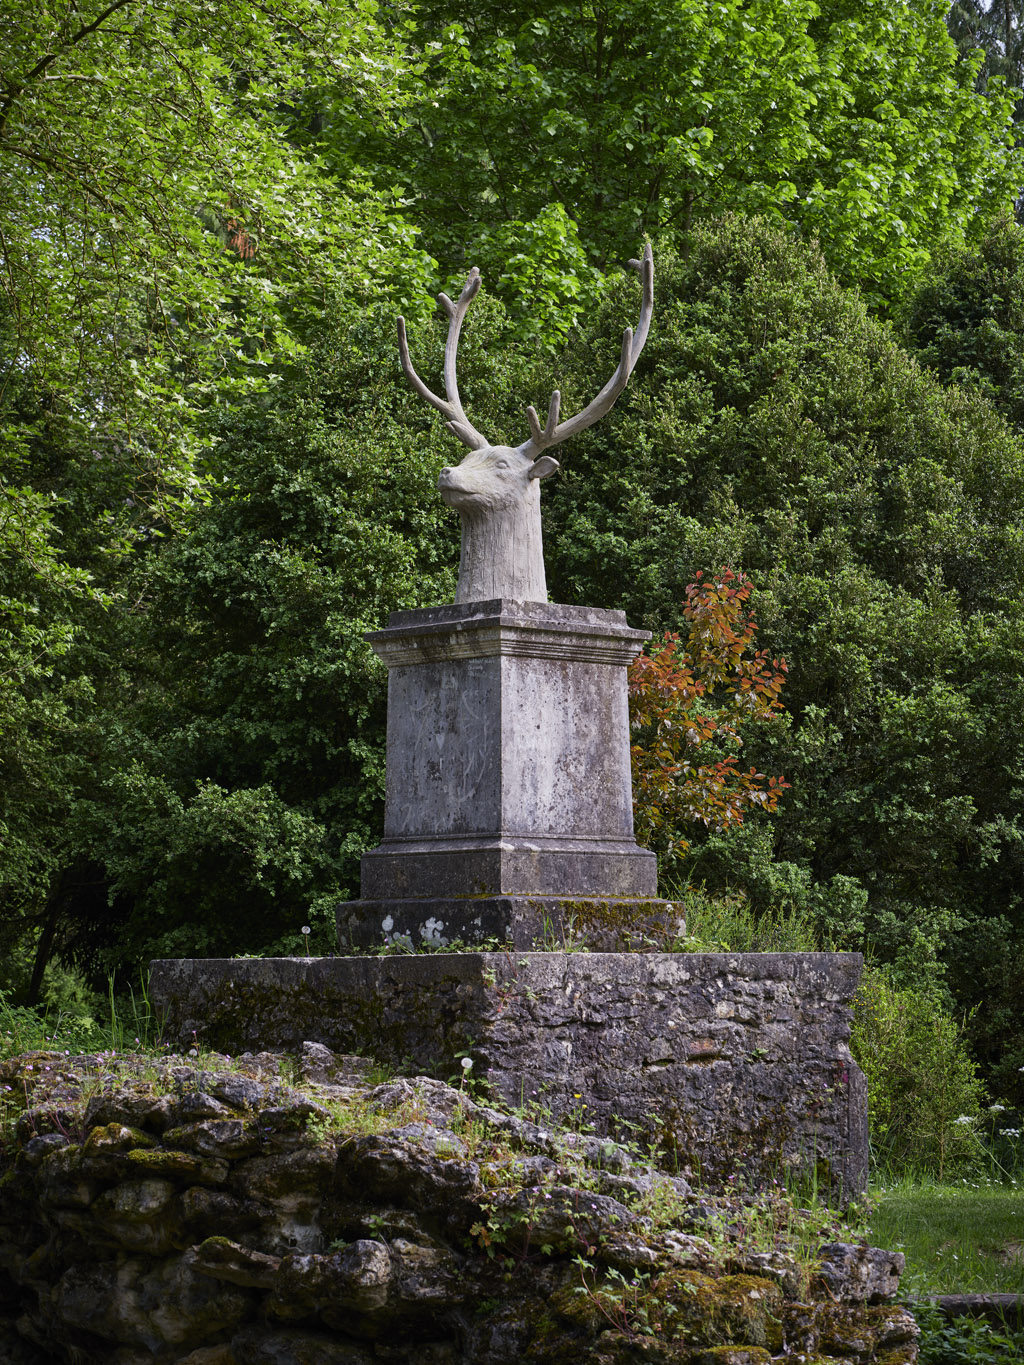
<point>771,423</point>
<point>967,319</point>
<point>688,703</point>
<point>161,239</point>
<point>924,1093</point>
<point>240,771</point>
<point>992,27</point>
<point>166,247</point>
<point>861,123</point>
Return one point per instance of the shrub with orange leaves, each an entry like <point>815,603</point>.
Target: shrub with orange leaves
<point>689,699</point>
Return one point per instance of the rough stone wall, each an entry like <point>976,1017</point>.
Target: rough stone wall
<point>729,1064</point>
<point>208,1212</point>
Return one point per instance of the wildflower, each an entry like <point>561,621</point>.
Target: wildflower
<point>467,1064</point>
<point>996,1108</point>
<point>964,1119</point>
<point>1009,1132</point>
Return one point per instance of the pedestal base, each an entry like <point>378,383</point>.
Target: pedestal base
<point>509,865</point>
<point>604,924</point>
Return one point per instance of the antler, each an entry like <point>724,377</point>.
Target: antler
<point>458,423</point>
<point>541,438</point>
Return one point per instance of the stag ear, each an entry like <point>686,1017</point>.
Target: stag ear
<point>540,469</point>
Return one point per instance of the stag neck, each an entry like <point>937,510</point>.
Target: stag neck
<point>503,556</point>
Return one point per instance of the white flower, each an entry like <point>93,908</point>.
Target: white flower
<point>467,1063</point>
<point>964,1118</point>
<point>1009,1132</point>
<point>996,1108</point>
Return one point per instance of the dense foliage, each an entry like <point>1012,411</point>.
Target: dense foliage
<point>775,426</point>
<point>966,321</point>
<point>924,1094</point>
<point>162,237</point>
<point>165,252</point>
<point>861,123</point>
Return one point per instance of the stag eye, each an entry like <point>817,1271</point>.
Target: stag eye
<point>503,464</point>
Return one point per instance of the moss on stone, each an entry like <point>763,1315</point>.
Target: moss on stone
<point>732,1310</point>
<point>177,1165</point>
<point>115,1137</point>
<point>905,1354</point>
<point>732,1355</point>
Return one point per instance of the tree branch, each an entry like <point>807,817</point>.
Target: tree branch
<point>44,62</point>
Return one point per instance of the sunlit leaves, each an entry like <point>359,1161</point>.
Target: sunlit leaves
<point>859,122</point>
<point>164,246</point>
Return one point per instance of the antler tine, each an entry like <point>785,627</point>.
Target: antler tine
<point>632,345</point>
<point>458,423</point>
<point>645,269</point>
<point>541,438</point>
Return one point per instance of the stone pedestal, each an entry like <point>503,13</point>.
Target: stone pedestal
<point>723,1063</point>
<point>508,803</point>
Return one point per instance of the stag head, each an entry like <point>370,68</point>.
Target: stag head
<point>496,489</point>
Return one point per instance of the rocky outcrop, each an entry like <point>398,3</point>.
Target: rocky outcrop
<point>216,1211</point>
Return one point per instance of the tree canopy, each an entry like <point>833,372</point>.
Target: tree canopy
<point>861,123</point>
<point>163,244</point>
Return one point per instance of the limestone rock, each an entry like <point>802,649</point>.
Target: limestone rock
<point>397,1172</point>
<point>231,1137</point>
<point>560,1218</point>
<point>131,1302</point>
<point>226,1260</point>
<point>860,1274</point>
<point>419,1227</point>
<point>289,1346</point>
<point>36,1148</point>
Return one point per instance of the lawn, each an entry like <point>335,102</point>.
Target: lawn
<point>964,1238</point>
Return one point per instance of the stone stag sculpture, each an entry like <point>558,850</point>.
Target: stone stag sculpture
<point>496,489</point>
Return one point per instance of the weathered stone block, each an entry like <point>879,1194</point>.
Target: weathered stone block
<point>601,924</point>
<point>726,1062</point>
<point>508,769</point>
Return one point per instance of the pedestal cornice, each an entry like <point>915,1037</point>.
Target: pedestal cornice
<point>505,628</point>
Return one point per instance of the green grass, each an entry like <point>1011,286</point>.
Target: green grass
<point>121,1024</point>
<point>726,924</point>
<point>963,1238</point>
